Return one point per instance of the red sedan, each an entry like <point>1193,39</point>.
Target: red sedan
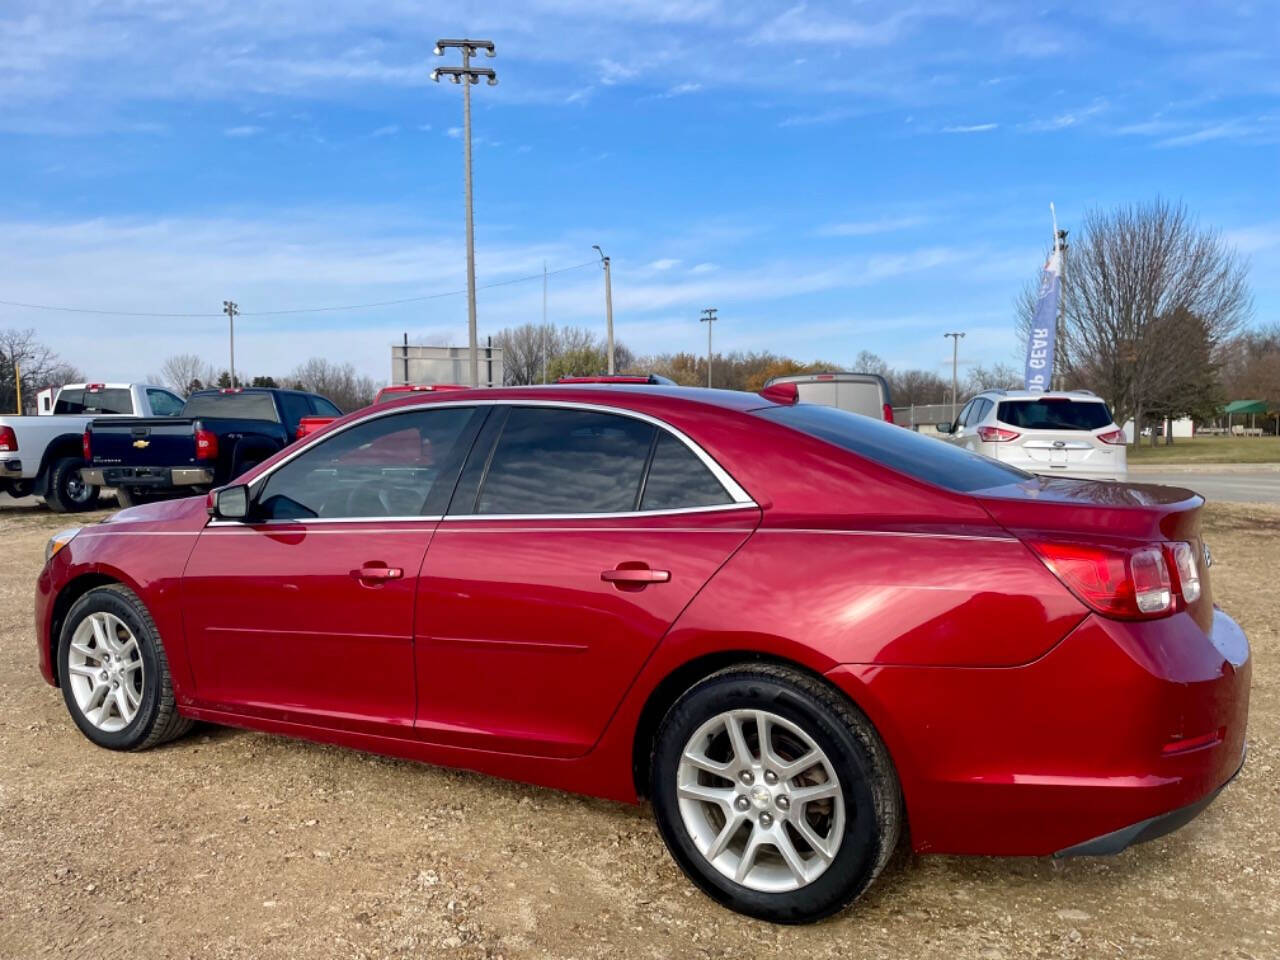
<point>799,632</point>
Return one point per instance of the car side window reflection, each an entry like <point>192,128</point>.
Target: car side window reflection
<point>677,479</point>
<point>385,467</point>
<point>551,460</point>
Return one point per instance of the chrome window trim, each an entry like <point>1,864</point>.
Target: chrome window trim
<point>740,498</point>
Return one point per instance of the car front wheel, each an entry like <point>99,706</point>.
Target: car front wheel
<point>114,674</point>
<point>774,793</point>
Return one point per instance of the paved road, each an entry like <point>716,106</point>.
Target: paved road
<point>1244,483</point>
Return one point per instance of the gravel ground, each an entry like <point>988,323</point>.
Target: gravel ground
<point>233,844</point>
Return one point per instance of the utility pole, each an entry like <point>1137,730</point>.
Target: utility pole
<point>467,75</point>
<point>708,317</point>
<point>544,321</point>
<point>608,304</point>
<point>955,356</point>
<point>17,384</point>
<point>230,308</point>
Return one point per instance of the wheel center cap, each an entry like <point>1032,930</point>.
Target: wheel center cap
<point>760,797</point>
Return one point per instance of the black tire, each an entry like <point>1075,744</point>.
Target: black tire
<point>157,719</point>
<point>68,493</point>
<point>873,799</point>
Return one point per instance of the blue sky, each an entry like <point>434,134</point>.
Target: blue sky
<point>833,177</point>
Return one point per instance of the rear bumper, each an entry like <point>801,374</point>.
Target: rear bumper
<point>147,476</point>
<point>1119,729</point>
<point>1144,830</point>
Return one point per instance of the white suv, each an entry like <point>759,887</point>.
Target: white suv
<point>1058,433</point>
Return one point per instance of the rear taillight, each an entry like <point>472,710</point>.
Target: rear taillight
<point>86,448</point>
<point>8,440</point>
<point>1113,437</point>
<point>887,412</point>
<point>1184,565</point>
<point>206,445</point>
<point>1130,583</point>
<point>996,435</point>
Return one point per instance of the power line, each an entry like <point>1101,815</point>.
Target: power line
<point>296,310</point>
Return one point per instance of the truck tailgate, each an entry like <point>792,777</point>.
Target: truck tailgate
<point>142,441</point>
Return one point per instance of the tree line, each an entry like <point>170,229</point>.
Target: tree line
<point>349,390</point>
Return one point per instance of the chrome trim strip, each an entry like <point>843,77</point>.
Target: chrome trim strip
<point>731,486</point>
<point>889,533</point>
<point>471,529</point>
<point>181,476</point>
<point>622,515</point>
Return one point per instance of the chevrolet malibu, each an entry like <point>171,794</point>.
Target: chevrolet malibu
<point>797,631</point>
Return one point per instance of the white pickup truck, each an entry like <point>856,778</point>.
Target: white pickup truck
<point>42,455</point>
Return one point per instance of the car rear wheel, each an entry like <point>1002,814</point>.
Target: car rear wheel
<point>114,674</point>
<point>774,793</point>
<point>68,493</point>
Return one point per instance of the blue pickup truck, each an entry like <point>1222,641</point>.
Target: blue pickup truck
<point>218,435</point>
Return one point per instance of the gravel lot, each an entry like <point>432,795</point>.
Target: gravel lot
<point>235,844</point>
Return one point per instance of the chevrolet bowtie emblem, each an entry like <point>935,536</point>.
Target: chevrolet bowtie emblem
<point>142,444</point>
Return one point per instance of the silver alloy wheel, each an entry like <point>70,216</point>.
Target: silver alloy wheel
<point>760,800</point>
<point>76,488</point>
<point>104,667</point>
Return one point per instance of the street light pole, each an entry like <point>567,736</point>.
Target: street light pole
<point>955,356</point>
<point>230,308</point>
<point>708,317</point>
<point>467,75</point>
<point>608,304</point>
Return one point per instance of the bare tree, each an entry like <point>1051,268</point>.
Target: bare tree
<point>1135,276</point>
<point>338,382</point>
<point>185,372</point>
<point>523,349</point>
<point>39,364</point>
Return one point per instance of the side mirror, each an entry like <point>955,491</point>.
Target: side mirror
<point>229,503</point>
<point>945,428</point>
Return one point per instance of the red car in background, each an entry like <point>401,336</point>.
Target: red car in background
<point>799,632</point>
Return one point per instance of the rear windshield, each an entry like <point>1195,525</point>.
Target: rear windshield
<point>927,459</point>
<point>233,406</point>
<point>1054,413</point>
<point>106,400</point>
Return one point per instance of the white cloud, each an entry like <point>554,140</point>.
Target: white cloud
<point>971,128</point>
<point>612,72</point>
<point>666,263</point>
<point>246,130</point>
<point>866,228</point>
<point>390,130</point>
<point>683,89</point>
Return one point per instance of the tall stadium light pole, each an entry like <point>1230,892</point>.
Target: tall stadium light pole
<point>467,75</point>
<point>608,304</point>
<point>955,357</point>
<point>230,308</point>
<point>708,317</point>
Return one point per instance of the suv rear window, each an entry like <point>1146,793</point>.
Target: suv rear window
<point>927,459</point>
<point>1054,413</point>
<point>235,406</point>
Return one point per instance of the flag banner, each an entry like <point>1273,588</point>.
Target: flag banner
<point>1044,326</point>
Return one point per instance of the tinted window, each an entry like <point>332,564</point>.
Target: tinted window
<point>163,403</point>
<point>381,468</point>
<point>565,461</point>
<point>1053,413</point>
<point>295,407</point>
<point>977,411</point>
<point>323,408</point>
<point>236,406</point>
<point>924,458</point>
<point>94,401</point>
<point>963,417</point>
<point>677,478</point>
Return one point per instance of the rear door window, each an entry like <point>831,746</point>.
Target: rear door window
<point>550,460</point>
<point>163,403</point>
<point>678,479</point>
<point>1054,413</point>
